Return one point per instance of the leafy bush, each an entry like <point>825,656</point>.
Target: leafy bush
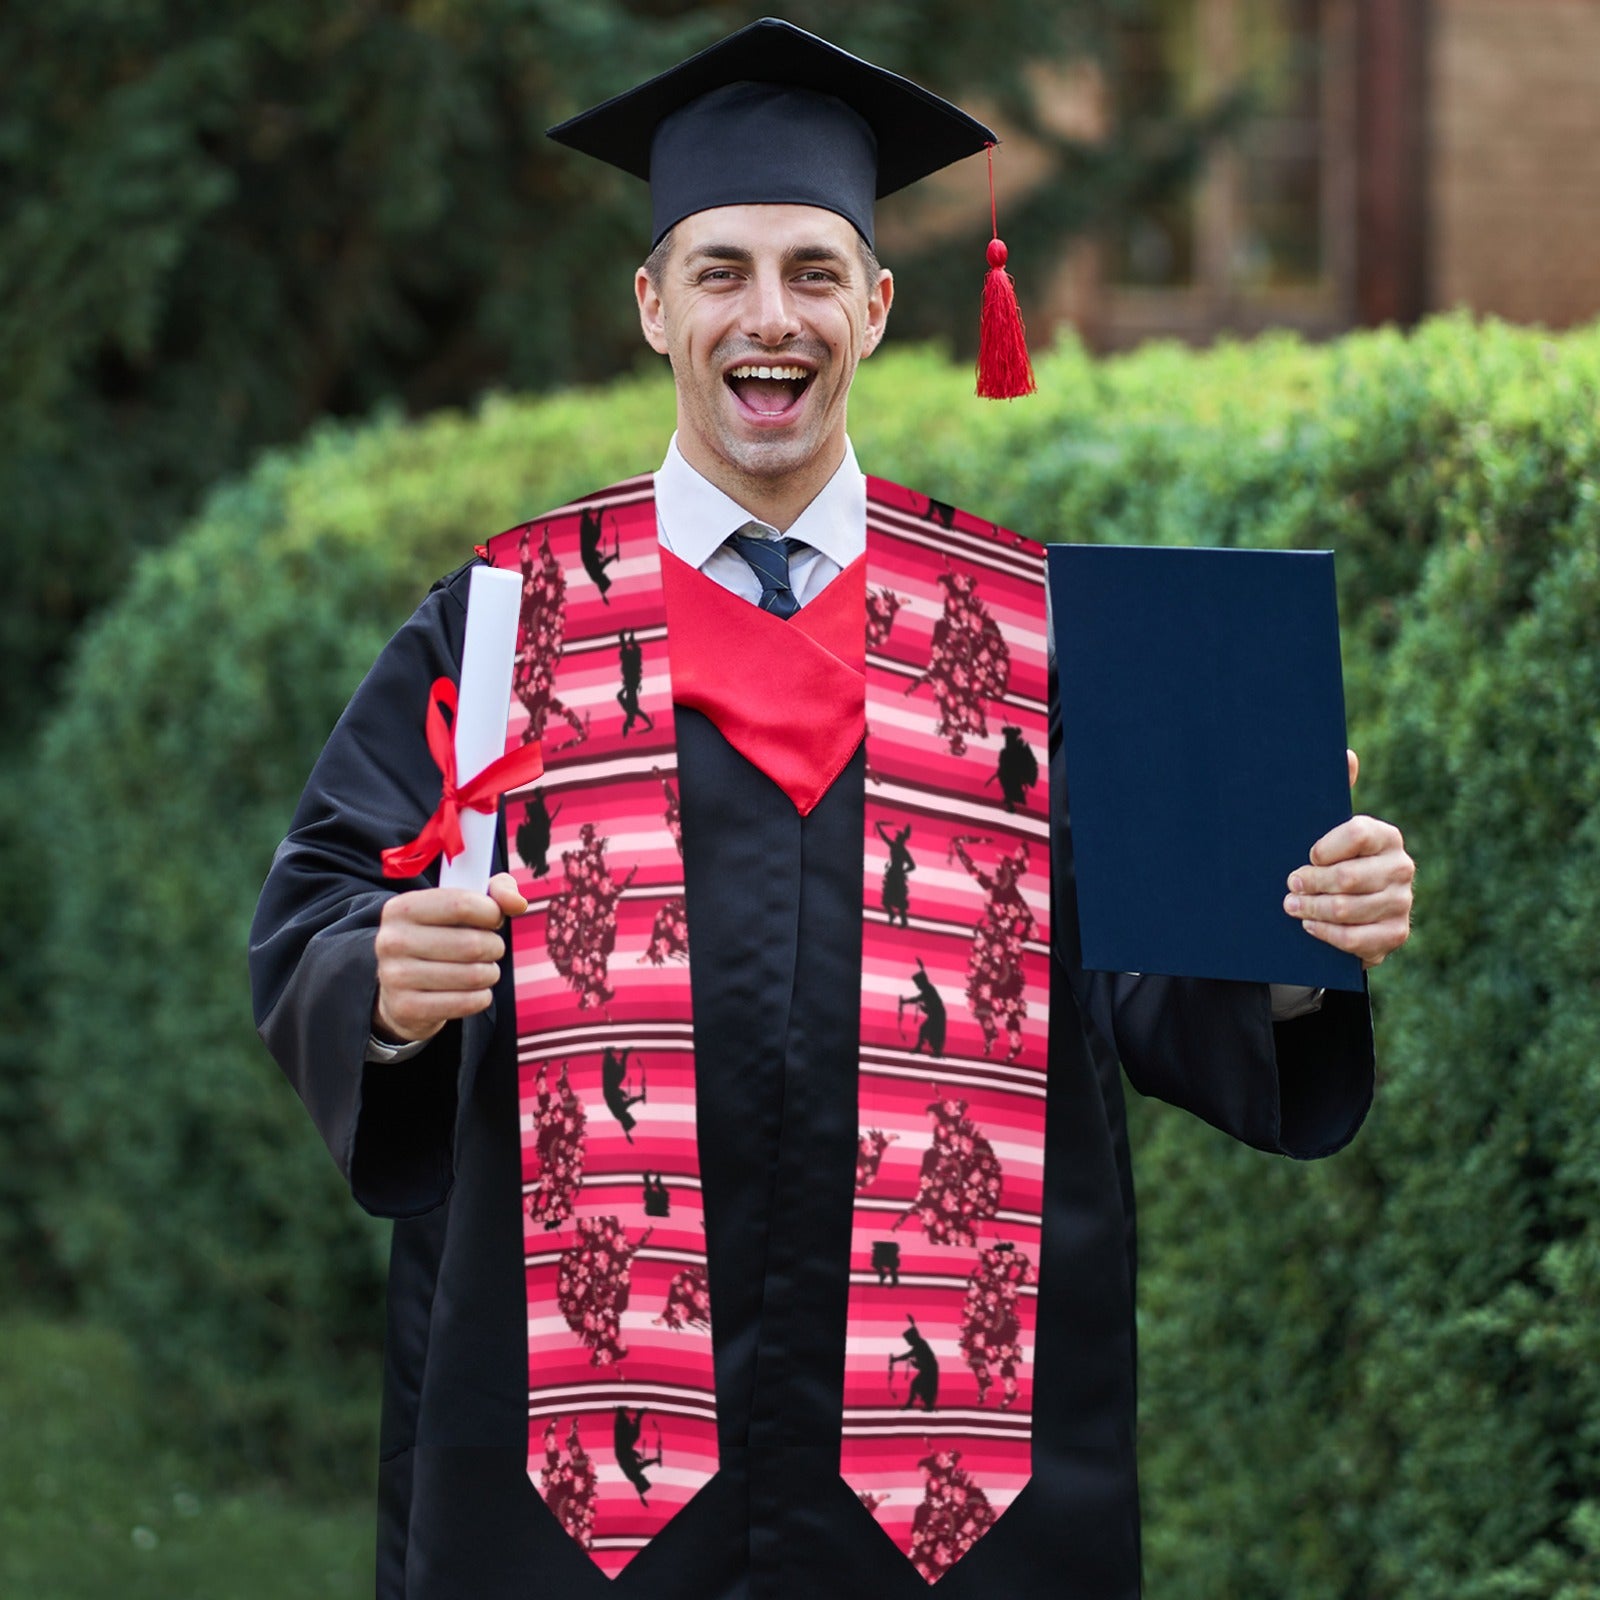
<point>95,1499</point>
<point>1370,1378</point>
<point>192,1209</point>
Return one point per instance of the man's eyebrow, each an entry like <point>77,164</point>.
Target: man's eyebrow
<point>720,252</point>
<point>820,254</point>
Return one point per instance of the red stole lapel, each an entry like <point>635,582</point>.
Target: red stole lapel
<point>939,631</point>
<point>790,697</point>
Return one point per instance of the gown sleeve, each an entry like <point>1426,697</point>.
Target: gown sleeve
<point>313,966</point>
<point>1299,1088</point>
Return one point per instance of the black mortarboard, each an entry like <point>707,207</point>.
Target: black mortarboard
<point>774,115</point>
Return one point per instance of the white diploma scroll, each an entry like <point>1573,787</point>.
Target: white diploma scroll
<point>494,599</point>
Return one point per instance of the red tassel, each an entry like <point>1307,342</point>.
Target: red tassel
<point>1004,370</point>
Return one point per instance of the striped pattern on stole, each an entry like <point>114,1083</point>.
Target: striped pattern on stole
<point>955,973</point>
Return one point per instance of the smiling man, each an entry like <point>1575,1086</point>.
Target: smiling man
<point>764,312</point>
<point>763,1214</point>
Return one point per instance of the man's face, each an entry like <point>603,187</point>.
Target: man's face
<point>764,311</point>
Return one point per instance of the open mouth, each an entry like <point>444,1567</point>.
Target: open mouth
<point>768,391</point>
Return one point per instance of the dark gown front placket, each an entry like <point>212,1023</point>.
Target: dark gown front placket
<point>774,905</point>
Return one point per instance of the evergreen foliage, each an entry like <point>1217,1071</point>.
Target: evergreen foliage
<point>96,1500</point>
<point>1368,1378</point>
<point>218,224</point>
<point>193,1213</point>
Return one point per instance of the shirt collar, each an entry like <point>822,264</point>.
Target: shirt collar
<point>696,517</point>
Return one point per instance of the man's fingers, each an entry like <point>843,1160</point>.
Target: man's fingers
<point>1357,875</point>
<point>1353,761</point>
<point>1370,941</point>
<point>449,908</point>
<point>414,1015</point>
<point>409,974</point>
<point>426,941</point>
<point>1381,905</point>
<point>1355,893</point>
<point>504,892</point>
<point>1360,836</point>
<point>439,956</point>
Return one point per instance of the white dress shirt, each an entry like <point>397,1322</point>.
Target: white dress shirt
<point>693,520</point>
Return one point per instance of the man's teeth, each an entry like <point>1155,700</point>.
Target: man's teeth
<point>796,374</point>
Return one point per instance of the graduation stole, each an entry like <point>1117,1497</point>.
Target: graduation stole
<point>934,644</point>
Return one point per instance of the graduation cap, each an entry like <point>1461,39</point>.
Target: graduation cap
<point>773,115</point>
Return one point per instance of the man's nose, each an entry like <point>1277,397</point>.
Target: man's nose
<point>772,318</point>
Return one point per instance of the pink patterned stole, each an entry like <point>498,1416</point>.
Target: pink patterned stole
<point>939,1346</point>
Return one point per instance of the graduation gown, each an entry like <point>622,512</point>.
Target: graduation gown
<point>774,905</point>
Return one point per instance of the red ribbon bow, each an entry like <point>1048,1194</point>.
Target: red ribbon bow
<point>442,831</point>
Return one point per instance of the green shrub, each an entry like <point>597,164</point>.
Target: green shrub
<point>194,1207</point>
<point>1376,1378</point>
<point>1370,1378</point>
<point>95,1499</point>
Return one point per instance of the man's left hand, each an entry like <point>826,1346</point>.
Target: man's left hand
<point>1355,893</point>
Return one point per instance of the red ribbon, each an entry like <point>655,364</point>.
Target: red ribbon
<point>442,831</point>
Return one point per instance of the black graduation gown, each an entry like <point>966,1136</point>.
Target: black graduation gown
<point>774,904</point>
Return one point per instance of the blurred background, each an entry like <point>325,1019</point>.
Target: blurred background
<point>297,305</point>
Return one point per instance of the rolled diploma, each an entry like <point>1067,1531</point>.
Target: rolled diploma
<point>494,600</point>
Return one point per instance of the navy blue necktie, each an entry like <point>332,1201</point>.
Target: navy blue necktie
<point>769,560</point>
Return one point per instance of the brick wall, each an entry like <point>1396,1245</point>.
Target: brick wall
<point>1514,163</point>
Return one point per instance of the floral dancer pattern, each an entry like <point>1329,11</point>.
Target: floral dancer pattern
<point>543,642</point>
<point>960,1178</point>
<point>869,1155</point>
<point>594,1283</point>
<point>567,1482</point>
<point>669,938</point>
<point>581,925</point>
<point>617,1291</point>
<point>947,1222</point>
<point>559,1123</point>
<point>955,1513</point>
<point>618,1303</point>
<point>991,1322</point>
<point>882,604</point>
<point>970,664</point>
<point>688,1301</point>
<point>996,988</point>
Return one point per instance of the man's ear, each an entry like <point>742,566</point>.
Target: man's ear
<point>878,303</point>
<point>652,315</point>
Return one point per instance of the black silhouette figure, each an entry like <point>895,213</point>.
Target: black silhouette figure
<point>896,890</point>
<point>1018,770</point>
<point>886,1262</point>
<point>938,511</point>
<point>657,1201</point>
<point>924,1367</point>
<point>927,1001</point>
<point>631,653</point>
<point>625,1437</point>
<point>594,563</point>
<point>614,1087</point>
<point>533,837</point>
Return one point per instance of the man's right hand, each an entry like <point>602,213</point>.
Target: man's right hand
<point>439,953</point>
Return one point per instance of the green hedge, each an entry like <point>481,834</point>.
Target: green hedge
<point>1373,1377</point>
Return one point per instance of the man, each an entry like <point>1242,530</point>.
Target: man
<point>549,1286</point>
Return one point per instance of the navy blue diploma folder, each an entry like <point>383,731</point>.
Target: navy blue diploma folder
<point>1202,712</point>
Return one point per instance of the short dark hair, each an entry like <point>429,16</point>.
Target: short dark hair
<point>656,262</point>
